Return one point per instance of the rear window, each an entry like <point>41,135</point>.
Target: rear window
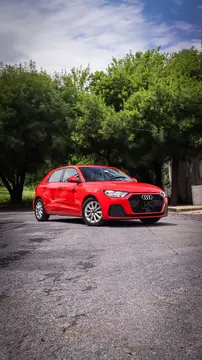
<point>56,176</point>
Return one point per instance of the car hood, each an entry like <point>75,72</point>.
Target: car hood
<point>136,187</point>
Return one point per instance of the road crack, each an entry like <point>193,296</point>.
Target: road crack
<point>162,242</point>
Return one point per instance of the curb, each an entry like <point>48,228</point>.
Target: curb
<point>179,209</point>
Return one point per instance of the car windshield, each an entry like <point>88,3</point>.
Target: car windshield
<point>92,174</point>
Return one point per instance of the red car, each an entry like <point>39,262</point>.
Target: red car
<point>98,193</point>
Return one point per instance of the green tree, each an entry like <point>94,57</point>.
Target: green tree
<point>87,133</point>
<point>163,111</point>
<point>128,85</point>
<point>145,109</point>
<point>147,119</point>
<point>183,131</point>
<point>126,76</point>
<point>32,112</point>
<point>81,78</point>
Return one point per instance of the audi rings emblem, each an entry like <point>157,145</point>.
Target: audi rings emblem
<point>147,197</point>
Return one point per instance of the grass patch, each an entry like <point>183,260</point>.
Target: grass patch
<point>27,196</point>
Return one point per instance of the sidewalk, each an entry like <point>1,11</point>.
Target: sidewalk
<point>188,209</point>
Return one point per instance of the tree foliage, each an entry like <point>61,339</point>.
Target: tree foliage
<point>143,110</point>
<point>33,117</point>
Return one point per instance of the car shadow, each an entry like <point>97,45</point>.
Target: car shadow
<point>67,220</point>
<point>113,223</point>
<point>136,223</point>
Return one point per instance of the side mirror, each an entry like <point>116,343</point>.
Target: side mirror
<point>134,179</point>
<point>73,179</point>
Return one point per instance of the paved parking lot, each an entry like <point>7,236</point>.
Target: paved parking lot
<point>122,291</point>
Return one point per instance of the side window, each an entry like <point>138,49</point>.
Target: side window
<point>68,173</point>
<point>56,175</point>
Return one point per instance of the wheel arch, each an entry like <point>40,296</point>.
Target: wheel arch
<point>40,198</point>
<point>89,196</point>
<point>86,220</point>
<point>37,198</point>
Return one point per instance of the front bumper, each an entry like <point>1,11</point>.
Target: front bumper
<point>123,208</point>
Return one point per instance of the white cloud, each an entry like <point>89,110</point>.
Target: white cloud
<point>179,2</point>
<point>185,26</point>
<point>60,34</point>
<point>200,7</point>
<point>184,45</point>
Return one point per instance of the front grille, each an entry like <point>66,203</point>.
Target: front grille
<point>138,205</point>
<point>116,210</point>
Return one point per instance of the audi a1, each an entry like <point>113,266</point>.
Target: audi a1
<point>98,193</point>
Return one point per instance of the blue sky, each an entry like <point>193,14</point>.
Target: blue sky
<point>171,11</point>
<point>61,34</point>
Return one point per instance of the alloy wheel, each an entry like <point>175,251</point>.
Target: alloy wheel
<point>40,211</point>
<point>93,212</point>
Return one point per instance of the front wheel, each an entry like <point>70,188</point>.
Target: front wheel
<point>40,212</point>
<point>150,221</point>
<point>92,212</point>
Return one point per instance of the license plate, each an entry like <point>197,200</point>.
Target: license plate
<point>147,205</point>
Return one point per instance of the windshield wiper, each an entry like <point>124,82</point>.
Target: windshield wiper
<point>118,177</point>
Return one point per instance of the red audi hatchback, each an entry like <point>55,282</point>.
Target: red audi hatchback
<point>98,193</point>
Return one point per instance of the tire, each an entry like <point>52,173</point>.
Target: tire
<point>150,221</point>
<point>92,212</point>
<point>39,211</point>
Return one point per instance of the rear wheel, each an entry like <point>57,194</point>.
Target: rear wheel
<point>92,212</point>
<point>150,221</point>
<point>39,210</point>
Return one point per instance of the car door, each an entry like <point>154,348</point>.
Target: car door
<point>68,198</point>
<point>52,192</point>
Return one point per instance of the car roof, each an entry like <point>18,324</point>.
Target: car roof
<point>83,165</point>
<point>90,166</point>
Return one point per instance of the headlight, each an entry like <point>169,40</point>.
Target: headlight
<point>162,193</point>
<point>115,194</point>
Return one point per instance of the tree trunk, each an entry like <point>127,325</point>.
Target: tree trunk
<point>144,175</point>
<point>158,174</point>
<point>107,157</point>
<point>175,181</point>
<point>17,188</point>
<point>16,195</point>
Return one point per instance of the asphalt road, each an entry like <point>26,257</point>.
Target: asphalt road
<point>122,291</point>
